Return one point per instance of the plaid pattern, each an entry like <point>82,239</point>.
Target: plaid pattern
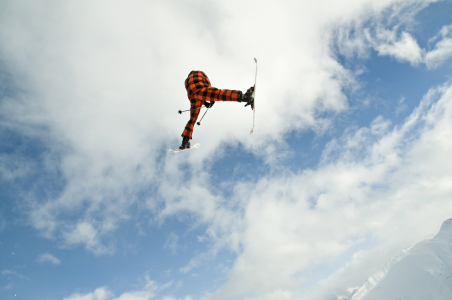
<point>200,90</point>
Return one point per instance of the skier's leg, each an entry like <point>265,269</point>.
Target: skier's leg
<point>213,94</point>
<point>188,131</point>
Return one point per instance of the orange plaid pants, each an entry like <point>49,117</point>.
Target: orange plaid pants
<point>199,90</point>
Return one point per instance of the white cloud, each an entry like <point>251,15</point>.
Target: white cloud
<point>384,30</point>
<point>442,50</point>
<point>148,291</point>
<point>101,293</point>
<point>171,298</point>
<point>107,92</point>
<point>10,273</point>
<point>9,286</point>
<point>84,233</point>
<point>47,257</point>
<point>357,199</point>
<point>379,33</point>
<point>13,166</point>
<point>193,263</point>
<point>404,48</point>
<point>140,295</point>
<point>171,243</point>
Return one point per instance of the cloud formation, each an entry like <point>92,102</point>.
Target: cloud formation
<point>101,95</point>
<point>104,96</point>
<point>147,292</point>
<point>47,257</point>
<point>101,293</point>
<point>405,48</point>
<point>171,243</point>
<point>442,50</point>
<point>11,273</point>
<point>391,38</point>
<point>359,196</point>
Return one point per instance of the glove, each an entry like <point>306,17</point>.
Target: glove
<point>209,104</point>
<point>248,97</point>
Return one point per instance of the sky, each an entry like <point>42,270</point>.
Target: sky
<point>348,165</point>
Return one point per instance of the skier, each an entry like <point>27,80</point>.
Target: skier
<point>199,92</point>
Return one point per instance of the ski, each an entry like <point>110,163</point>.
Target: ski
<point>179,150</point>
<point>254,97</point>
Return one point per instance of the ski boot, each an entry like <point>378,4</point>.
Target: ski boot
<point>185,143</point>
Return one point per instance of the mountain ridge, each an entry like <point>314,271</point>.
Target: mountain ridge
<point>423,271</point>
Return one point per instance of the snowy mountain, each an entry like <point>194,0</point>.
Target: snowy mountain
<point>422,272</point>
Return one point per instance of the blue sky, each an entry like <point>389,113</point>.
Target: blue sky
<point>349,163</point>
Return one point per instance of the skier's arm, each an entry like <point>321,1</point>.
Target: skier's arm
<point>214,94</point>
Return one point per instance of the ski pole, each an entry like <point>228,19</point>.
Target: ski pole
<point>181,111</point>
<point>199,123</point>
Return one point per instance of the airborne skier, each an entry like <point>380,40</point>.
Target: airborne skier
<point>199,92</point>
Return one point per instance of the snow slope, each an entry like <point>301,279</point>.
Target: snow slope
<point>422,272</point>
